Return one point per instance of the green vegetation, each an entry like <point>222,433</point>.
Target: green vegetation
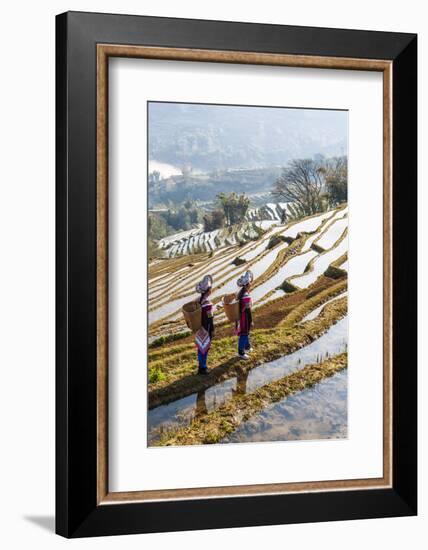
<point>214,220</point>
<point>234,206</point>
<point>336,178</point>
<point>157,229</point>
<point>184,217</point>
<point>155,375</point>
<point>158,342</point>
<point>166,222</point>
<point>213,427</point>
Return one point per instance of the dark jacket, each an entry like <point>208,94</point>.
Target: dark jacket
<point>207,316</point>
<point>246,317</point>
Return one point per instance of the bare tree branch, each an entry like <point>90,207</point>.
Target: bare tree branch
<point>302,182</point>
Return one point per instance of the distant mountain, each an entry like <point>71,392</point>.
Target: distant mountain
<point>205,187</point>
<point>218,137</point>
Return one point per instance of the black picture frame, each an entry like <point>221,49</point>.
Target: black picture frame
<point>77,511</point>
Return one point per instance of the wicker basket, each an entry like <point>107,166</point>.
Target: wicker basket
<point>193,315</point>
<point>231,307</point>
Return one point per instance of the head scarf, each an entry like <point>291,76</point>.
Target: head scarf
<point>245,279</point>
<point>205,284</point>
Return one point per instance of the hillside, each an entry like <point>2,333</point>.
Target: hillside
<point>294,385</point>
<point>292,256</point>
<point>194,241</point>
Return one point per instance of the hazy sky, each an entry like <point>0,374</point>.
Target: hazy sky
<point>242,136</point>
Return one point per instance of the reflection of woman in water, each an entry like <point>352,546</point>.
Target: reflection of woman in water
<point>201,405</point>
<point>201,408</point>
<point>241,382</point>
<point>243,326</point>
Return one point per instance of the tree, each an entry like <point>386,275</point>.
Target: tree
<point>302,183</point>
<point>193,211</point>
<point>224,203</point>
<point>178,219</point>
<point>188,204</point>
<point>157,226</point>
<point>157,229</point>
<point>241,207</point>
<point>336,178</point>
<point>154,177</point>
<point>214,220</point>
<point>234,206</point>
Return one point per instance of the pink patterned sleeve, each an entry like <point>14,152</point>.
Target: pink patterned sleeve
<point>208,309</point>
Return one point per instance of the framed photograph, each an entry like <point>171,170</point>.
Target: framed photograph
<point>236,274</point>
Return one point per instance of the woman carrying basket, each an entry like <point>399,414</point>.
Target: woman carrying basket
<point>205,334</point>
<point>245,322</point>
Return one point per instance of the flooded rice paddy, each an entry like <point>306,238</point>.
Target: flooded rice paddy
<point>182,411</point>
<point>319,412</point>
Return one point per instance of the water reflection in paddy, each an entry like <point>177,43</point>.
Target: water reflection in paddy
<point>181,412</point>
<point>319,412</point>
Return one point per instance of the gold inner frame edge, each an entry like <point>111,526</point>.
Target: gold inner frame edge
<point>104,52</point>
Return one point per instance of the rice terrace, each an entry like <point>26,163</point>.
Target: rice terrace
<point>254,218</point>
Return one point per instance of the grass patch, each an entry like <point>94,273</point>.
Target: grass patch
<point>334,271</point>
<point>156,375</point>
<point>162,340</point>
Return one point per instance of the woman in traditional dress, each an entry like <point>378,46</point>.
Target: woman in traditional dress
<point>205,334</point>
<point>245,322</point>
